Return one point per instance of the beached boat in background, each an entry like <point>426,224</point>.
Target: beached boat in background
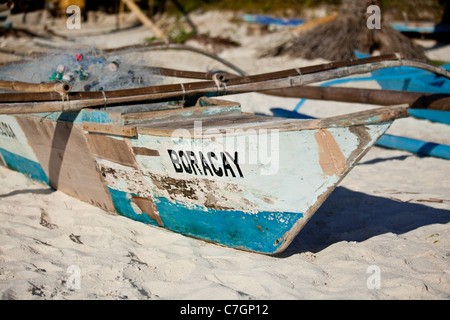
<point>440,30</point>
<point>414,80</point>
<point>430,29</point>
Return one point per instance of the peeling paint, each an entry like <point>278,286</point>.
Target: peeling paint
<point>204,192</point>
<point>246,210</point>
<point>126,179</point>
<point>256,232</point>
<point>147,206</point>
<point>331,159</point>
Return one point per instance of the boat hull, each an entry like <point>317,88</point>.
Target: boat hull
<point>209,172</point>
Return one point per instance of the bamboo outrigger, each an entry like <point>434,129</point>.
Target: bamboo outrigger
<point>208,171</point>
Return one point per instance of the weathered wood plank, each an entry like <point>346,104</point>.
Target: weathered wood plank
<point>112,149</point>
<point>236,125</point>
<point>141,151</point>
<point>126,131</point>
<point>183,114</point>
<point>63,152</point>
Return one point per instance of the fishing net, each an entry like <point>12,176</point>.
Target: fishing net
<point>87,69</point>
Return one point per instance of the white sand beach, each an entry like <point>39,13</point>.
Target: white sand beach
<point>383,234</point>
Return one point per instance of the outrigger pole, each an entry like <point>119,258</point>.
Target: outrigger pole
<point>13,103</point>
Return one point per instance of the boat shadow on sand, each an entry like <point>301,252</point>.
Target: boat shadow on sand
<point>354,216</point>
<point>43,191</point>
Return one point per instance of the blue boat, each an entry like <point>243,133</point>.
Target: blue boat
<point>422,28</point>
<point>404,79</point>
<point>269,20</point>
<point>411,79</point>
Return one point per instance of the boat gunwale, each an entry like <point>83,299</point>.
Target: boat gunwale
<point>367,117</point>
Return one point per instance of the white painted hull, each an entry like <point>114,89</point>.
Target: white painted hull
<point>242,181</point>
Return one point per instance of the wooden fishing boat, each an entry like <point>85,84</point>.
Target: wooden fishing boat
<point>244,181</point>
<point>207,171</point>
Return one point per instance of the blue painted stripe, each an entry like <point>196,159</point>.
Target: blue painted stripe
<point>28,167</point>
<point>79,117</point>
<point>260,232</point>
